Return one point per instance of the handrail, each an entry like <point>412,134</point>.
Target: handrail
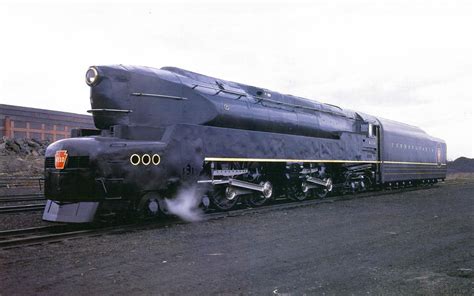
<point>109,110</point>
<point>139,94</point>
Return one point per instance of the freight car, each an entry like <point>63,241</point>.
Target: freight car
<point>159,130</point>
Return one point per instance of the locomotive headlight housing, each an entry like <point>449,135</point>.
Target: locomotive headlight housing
<point>92,76</point>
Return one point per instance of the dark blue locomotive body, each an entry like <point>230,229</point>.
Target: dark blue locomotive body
<point>159,130</point>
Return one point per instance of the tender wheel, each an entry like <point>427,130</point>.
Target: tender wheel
<point>223,198</point>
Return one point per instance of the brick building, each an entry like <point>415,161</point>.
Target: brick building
<point>41,124</point>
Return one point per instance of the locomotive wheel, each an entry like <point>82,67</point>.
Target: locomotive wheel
<point>222,198</point>
<point>163,208</point>
<point>149,205</point>
<point>296,192</point>
<point>256,200</point>
<point>321,192</point>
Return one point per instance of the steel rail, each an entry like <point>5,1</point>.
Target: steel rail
<point>21,208</point>
<point>22,197</point>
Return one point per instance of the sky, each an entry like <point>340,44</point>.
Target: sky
<point>405,60</point>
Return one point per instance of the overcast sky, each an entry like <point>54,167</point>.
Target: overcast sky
<point>410,61</point>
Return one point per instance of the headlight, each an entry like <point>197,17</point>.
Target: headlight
<point>92,76</point>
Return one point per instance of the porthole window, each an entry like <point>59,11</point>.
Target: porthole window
<point>135,159</point>
<point>156,159</point>
<point>146,159</point>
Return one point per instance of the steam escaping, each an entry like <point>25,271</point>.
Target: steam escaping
<point>186,204</point>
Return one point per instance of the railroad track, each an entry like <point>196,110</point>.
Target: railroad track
<point>21,208</point>
<point>28,236</point>
<point>15,182</point>
<point>22,197</point>
<point>54,233</point>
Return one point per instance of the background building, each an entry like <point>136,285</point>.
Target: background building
<point>41,124</point>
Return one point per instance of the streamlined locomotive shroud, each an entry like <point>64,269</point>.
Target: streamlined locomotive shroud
<point>162,129</point>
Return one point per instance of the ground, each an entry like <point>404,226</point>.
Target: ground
<point>419,242</point>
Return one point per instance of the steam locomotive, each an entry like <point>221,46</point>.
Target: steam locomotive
<point>159,130</point>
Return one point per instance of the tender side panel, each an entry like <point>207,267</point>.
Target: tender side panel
<point>408,153</point>
<point>399,172</point>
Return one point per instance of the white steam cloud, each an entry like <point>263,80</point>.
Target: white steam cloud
<point>186,204</point>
